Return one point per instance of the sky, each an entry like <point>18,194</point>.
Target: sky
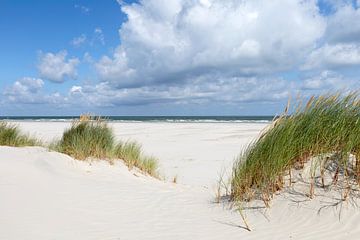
<point>178,57</point>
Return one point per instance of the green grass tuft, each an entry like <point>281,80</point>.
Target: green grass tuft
<point>93,138</point>
<point>87,139</point>
<point>10,135</point>
<point>325,125</point>
<point>132,155</point>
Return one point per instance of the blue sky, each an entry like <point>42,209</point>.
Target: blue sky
<point>180,57</point>
<point>50,26</point>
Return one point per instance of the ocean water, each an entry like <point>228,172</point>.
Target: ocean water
<point>210,119</point>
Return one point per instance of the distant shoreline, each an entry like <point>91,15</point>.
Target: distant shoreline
<point>182,119</point>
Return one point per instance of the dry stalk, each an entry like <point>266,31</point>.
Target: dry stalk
<point>174,179</point>
<point>266,199</point>
<point>312,190</point>
<point>290,180</point>
<point>348,188</point>
<point>336,176</point>
<point>240,209</point>
<point>322,171</point>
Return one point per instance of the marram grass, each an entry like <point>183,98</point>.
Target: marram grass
<point>131,154</point>
<point>325,125</point>
<point>89,138</point>
<point>86,139</point>
<point>10,135</point>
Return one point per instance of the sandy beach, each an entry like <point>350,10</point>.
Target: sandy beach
<point>48,195</point>
<point>180,120</point>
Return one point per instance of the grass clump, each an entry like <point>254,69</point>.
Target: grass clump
<point>132,155</point>
<point>326,126</point>
<point>10,135</point>
<point>89,138</point>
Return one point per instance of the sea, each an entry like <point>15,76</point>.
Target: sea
<point>184,119</point>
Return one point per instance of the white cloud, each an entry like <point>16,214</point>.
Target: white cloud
<point>28,84</point>
<point>174,41</point>
<point>78,41</point>
<point>201,90</point>
<point>341,40</point>
<point>25,90</point>
<point>344,25</point>
<point>333,56</point>
<point>75,90</point>
<point>326,80</point>
<point>56,67</point>
<point>28,90</point>
<point>199,52</point>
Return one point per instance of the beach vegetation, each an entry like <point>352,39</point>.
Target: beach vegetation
<point>10,135</point>
<point>86,139</point>
<point>92,138</point>
<point>324,132</point>
<point>132,155</point>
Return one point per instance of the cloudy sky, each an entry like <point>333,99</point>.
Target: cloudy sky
<point>174,57</point>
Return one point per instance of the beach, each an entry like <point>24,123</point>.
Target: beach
<point>48,195</point>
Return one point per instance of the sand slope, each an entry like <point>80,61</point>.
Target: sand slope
<point>183,149</point>
<point>47,195</point>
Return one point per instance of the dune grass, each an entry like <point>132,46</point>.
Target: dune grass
<point>86,139</point>
<point>132,155</point>
<point>91,138</point>
<point>328,124</point>
<point>10,135</point>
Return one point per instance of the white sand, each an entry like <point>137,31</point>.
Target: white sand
<point>47,195</point>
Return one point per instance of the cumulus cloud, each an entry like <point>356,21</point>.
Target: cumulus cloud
<point>202,90</point>
<point>328,81</point>
<point>344,25</point>
<point>56,67</point>
<point>28,84</point>
<point>341,47</point>
<point>199,52</point>
<point>28,90</point>
<point>25,90</point>
<point>75,90</point>
<point>174,41</point>
<point>333,56</point>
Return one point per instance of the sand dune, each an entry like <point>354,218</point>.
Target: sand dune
<point>47,195</point>
<point>182,148</point>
